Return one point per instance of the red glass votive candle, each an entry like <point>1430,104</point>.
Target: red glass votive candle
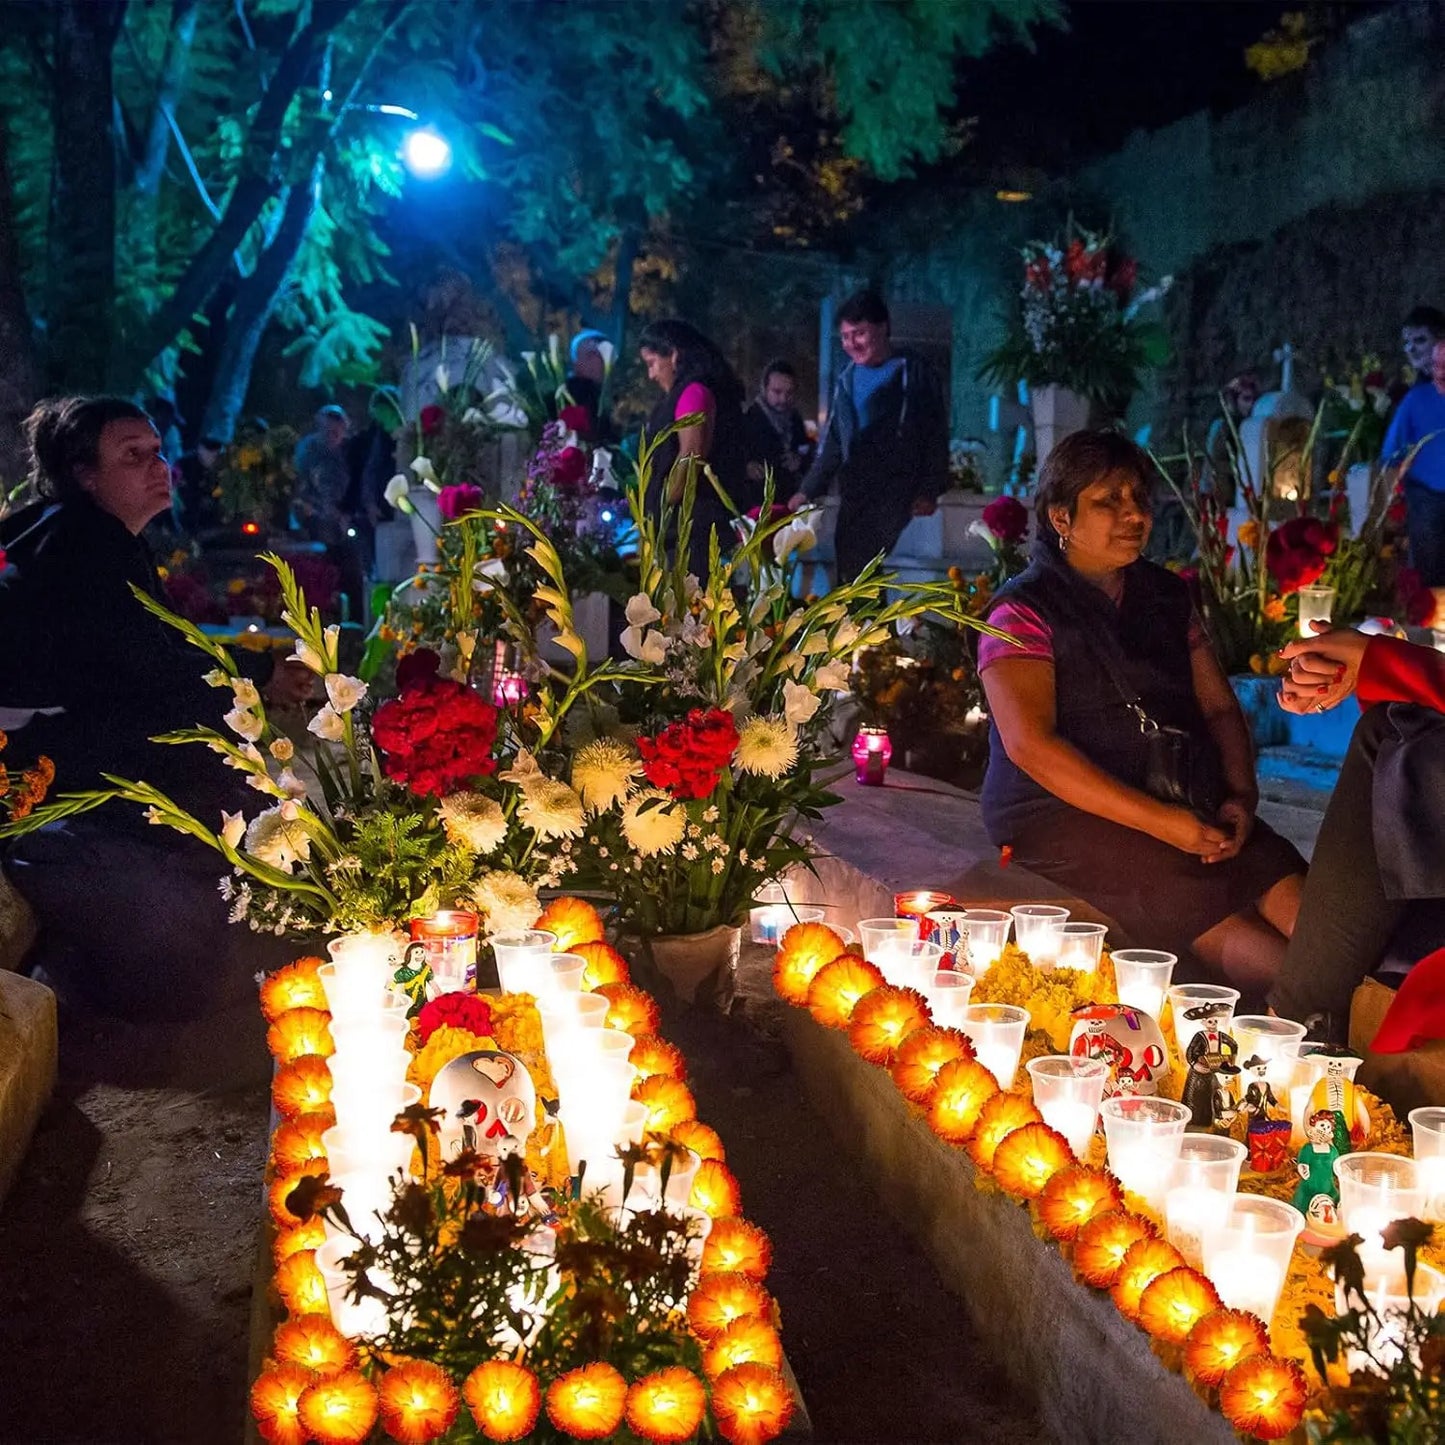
<point>450,938</point>
<point>918,904</point>
<point>872,752</point>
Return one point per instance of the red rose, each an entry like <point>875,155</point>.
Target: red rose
<point>3,562</point>
<point>457,501</point>
<point>1007,518</point>
<point>577,419</point>
<point>431,419</point>
<point>460,1010</point>
<point>570,467</point>
<point>435,736</point>
<point>687,758</point>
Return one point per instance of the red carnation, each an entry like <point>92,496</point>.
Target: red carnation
<point>687,758</point>
<point>457,501</point>
<point>431,419</point>
<point>1007,518</point>
<point>416,668</point>
<point>570,467</point>
<point>435,736</point>
<point>577,419</point>
<point>1298,552</point>
<point>460,1010</point>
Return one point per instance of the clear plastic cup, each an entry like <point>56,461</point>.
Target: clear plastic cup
<point>1034,931</point>
<point>997,1031</point>
<point>877,933</point>
<point>948,996</point>
<point>1386,1333</point>
<point>1246,1257</point>
<point>1145,1135</point>
<point>1080,945</point>
<point>1261,1036</point>
<point>1068,1092</point>
<point>521,958</point>
<point>987,931</point>
<point>1428,1127</point>
<point>350,1151</point>
<point>1185,996</point>
<point>356,993</point>
<point>1202,1186</point>
<point>1375,1191</point>
<point>1142,976</point>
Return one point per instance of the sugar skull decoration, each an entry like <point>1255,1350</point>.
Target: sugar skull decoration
<point>1127,1040</point>
<point>488,1104</point>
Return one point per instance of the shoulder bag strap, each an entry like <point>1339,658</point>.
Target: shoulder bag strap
<point>1109,654</point>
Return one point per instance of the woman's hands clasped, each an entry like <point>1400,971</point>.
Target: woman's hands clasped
<point>1323,670</point>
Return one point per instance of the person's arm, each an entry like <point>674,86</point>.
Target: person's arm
<point>694,440</point>
<point>1021,701</point>
<point>825,464</point>
<point>1224,718</point>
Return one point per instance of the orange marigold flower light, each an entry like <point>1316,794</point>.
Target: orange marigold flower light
<point>804,949</point>
<point>1144,1261</point>
<point>301,1087</point>
<point>1220,1341</point>
<point>921,1055</point>
<point>1175,1302</point>
<point>666,1406</point>
<point>300,1285</point>
<point>964,1087</point>
<point>298,1032</point>
<point>715,1190</point>
<point>340,1410</point>
<point>313,1343</point>
<point>630,1009</point>
<point>298,985</point>
<point>669,1102</point>
<point>574,921</point>
<point>1074,1196</point>
<point>651,1055</point>
<point>281,1186</point>
<point>750,1341</point>
<point>719,1299</point>
<point>418,1402</point>
<point>1001,1115</point>
<point>587,1403</point>
<point>1102,1243</point>
<point>604,965</point>
<point>299,1139</point>
<point>1264,1396</point>
<point>883,1019</point>
<point>738,1247</point>
<point>275,1401</point>
<point>835,991</point>
<point>504,1398</point>
<point>1025,1161</point>
<point>296,1237</point>
<point>703,1140</point>
<point>752,1404</point>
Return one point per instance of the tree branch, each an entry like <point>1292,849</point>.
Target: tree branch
<point>179,38</point>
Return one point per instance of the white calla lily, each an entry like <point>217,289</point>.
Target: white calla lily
<point>490,573</point>
<point>395,492</point>
<point>796,536</point>
<point>608,352</point>
<point>425,471</point>
<point>443,378</point>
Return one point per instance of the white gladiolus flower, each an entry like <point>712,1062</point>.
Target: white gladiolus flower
<point>603,772</point>
<point>327,724</point>
<point>490,573</point>
<point>508,901</point>
<point>244,723</point>
<point>832,677</point>
<point>473,821</point>
<point>282,749</point>
<point>640,611</point>
<point>217,678</point>
<point>344,692</point>
<point>426,473</point>
<point>552,810</point>
<point>472,416</point>
<point>653,822</point>
<point>795,536</point>
<point>649,647</point>
<point>309,658</point>
<point>395,492</point>
<point>602,468</point>
<point>799,703</point>
<point>767,746</point>
<point>524,771</point>
<point>233,828</point>
<point>245,692</point>
<point>443,378</point>
<point>277,841</point>
<point>290,784</point>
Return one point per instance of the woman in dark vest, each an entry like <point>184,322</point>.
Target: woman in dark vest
<point>696,380</point>
<point>1104,635</point>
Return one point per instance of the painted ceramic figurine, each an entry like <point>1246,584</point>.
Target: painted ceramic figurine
<point>1317,1195</point>
<point>412,976</point>
<point>1128,1041</point>
<point>1259,1097</point>
<point>1337,1093</point>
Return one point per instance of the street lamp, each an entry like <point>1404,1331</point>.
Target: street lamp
<point>426,153</point>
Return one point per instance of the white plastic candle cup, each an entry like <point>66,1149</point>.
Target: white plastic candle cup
<point>846,934</point>
<point>1035,931</point>
<point>365,1195</point>
<point>1202,1186</point>
<point>370,952</point>
<point>1261,1036</point>
<point>377,1149</point>
<point>377,1065</point>
<point>356,993</point>
<point>378,1036</point>
<point>1428,1127</point>
<point>1144,1135</point>
<point>602,1174</point>
<point>948,996</point>
<point>997,1031</point>
<point>907,962</point>
<point>521,958</point>
<point>1390,1299</point>
<point>770,921</point>
<point>698,1223</point>
<point>1080,945</point>
<point>634,1123</point>
<point>597,1109</point>
<point>1142,976</point>
<point>1315,605</point>
<point>1375,1191</point>
<point>986,934</point>
<point>1185,996</point>
<point>566,974</point>
<point>360,1107</point>
<point>877,933</point>
<point>1067,1092</point>
<point>357,1319</point>
<point>1246,1257</point>
<point>592,1010</point>
<point>611,1043</point>
<point>647,1180</point>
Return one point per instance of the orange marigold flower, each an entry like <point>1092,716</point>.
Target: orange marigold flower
<point>837,987</point>
<point>669,1102</point>
<point>275,1401</point>
<point>281,1186</point>
<point>301,1087</point>
<point>719,1299</point>
<point>964,1087</point>
<point>340,1410</point>
<point>793,972</point>
<point>1074,1196</point>
<point>651,1055</point>
<point>1102,1243</point>
<point>700,1138</point>
<point>921,1055</point>
<point>883,1019</point>
<point>750,1341</point>
<point>1264,1397</point>
<point>298,985</point>
<point>300,1285</point>
<point>738,1247</point>
<point>666,1406</point>
<point>715,1190</point>
<point>587,1403</point>
<point>574,921</point>
<point>315,1344</point>
<point>300,1031</point>
<point>1220,1341</point>
<point>418,1402</point>
<point>752,1404</point>
<point>630,1009</point>
<point>1028,1158</point>
<point>504,1398</point>
<point>1175,1302</point>
<point>294,1238</point>
<point>299,1139</point>
<point>1003,1113</point>
<point>1144,1261</point>
<point>604,965</point>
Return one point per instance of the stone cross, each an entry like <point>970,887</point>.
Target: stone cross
<point>1285,356</point>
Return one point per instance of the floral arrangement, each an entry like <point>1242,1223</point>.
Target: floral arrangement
<point>540,383</point>
<point>191,590</point>
<point>629,1327</point>
<point>1004,526</point>
<point>255,476</point>
<point>965,464</point>
<point>23,791</point>
<point>1077,322</point>
<point>1112,1238</point>
<point>1361,398</point>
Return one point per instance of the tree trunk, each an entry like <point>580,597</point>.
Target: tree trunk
<point>81,231</point>
<point>629,246</point>
<point>17,337</point>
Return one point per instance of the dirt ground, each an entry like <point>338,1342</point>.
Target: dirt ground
<point>128,1243</point>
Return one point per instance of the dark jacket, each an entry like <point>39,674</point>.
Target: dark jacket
<point>767,447</point>
<point>725,457</point>
<point>1149,630</point>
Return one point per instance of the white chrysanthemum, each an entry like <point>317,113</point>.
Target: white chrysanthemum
<point>603,772</point>
<point>244,723</point>
<point>473,820</point>
<point>652,822</point>
<point>509,902</point>
<point>766,746</point>
<point>552,810</point>
<point>277,841</point>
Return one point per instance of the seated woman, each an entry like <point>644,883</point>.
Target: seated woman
<point>1107,640</point>
<point>131,923</point>
<point>1370,891</point>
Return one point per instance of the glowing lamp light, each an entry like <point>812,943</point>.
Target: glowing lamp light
<point>1174,1302</point>
<point>1027,1159</point>
<point>341,1410</point>
<point>666,1406</point>
<point>587,1403</point>
<point>504,1398</point>
<point>1264,1397</point>
<point>752,1404</point>
<point>1144,1261</point>
<point>1102,1243</point>
<point>1074,1196</point>
<point>872,752</point>
<point>1220,1340</point>
<point>426,153</point>
<point>450,939</point>
<point>251,529</point>
<point>418,1402</point>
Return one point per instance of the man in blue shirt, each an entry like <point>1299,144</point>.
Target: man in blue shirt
<point>1421,418</point>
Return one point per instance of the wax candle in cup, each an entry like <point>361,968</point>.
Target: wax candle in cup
<point>872,752</point>
<point>1261,1036</point>
<point>948,996</point>
<point>369,953</point>
<point>774,914</point>
<point>1080,945</point>
<point>1142,976</point>
<point>1144,1136</point>
<point>918,904</point>
<point>367,1036</point>
<point>1068,1092</point>
<point>1185,996</point>
<point>1315,605</point>
<point>647,1181</point>
<point>350,1150</point>
<point>1202,1186</point>
<point>1035,931</point>
<point>450,939</point>
<point>1428,1127</point>
<point>357,993</point>
<point>985,937</point>
<point>361,1101</point>
<point>1247,1255</point>
<point>634,1123</point>
<point>564,976</point>
<point>1375,1191</point>
<point>357,1319</point>
<point>997,1031</point>
<point>522,956</point>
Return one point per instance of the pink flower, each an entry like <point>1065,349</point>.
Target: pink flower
<point>570,467</point>
<point>577,419</point>
<point>457,501</point>
<point>431,420</point>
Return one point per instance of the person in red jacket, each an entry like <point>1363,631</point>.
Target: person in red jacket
<point>1347,918</point>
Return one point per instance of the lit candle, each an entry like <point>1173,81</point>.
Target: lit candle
<point>985,937</point>
<point>1203,1182</point>
<point>1247,1281</point>
<point>1247,1254</point>
<point>1068,1092</point>
<point>1145,1135</point>
<point>1142,976</point>
<point>1036,932</point>
<point>1428,1127</point>
<point>997,1032</point>
<point>918,904</point>
<point>450,940</point>
<point>1080,945</point>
